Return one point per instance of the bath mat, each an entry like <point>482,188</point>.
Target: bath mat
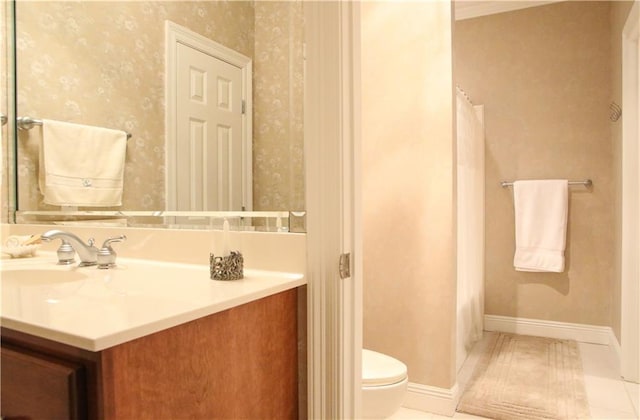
<point>524,377</point>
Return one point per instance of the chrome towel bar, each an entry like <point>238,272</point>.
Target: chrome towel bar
<point>586,183</point>
<point>27,123</point>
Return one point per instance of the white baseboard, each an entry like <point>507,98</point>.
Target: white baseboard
<point>432,399</point>
<point>563,330</point>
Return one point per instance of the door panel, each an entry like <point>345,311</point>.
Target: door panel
<point>209,132</point>
<point>41,387</point>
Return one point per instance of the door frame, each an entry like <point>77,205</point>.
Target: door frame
<point>174,35</point>
<point>333,171</point>
<point>332,168</point>
<point>630,317</point>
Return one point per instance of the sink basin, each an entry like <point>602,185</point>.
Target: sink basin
<point>130,279</point>
<point>41,275</point>
<point>42,278</point>
<point>37,281</point>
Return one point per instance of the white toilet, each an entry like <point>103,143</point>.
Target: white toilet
<point>384,384</point>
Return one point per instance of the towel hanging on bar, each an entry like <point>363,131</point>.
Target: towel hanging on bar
<point>81,165</point>
<point>541,212</point>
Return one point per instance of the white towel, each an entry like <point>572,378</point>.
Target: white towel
<point>541,224</point>
<point>81,165</point>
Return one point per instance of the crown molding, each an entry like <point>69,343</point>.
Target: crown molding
<point>471,9</point>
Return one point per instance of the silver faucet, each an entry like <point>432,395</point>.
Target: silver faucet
<point>87,252</point>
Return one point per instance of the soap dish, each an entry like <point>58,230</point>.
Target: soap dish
<point>21,251</point>
<point>229,267</point>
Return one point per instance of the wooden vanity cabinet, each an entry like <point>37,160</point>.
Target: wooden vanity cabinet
<point>239,363</point>
<point>56,387</point>
<point>43,379</point>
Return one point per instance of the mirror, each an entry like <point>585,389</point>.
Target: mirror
<point>103,64</point>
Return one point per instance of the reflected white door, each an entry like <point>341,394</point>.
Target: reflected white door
<point>209,149</point>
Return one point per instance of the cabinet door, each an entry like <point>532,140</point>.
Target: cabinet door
<point>35,386</point>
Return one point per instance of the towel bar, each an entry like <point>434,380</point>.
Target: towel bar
<point>27,123</point>
<point>586,183</point>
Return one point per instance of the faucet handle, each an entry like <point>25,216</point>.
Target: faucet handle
<point>66,253</point>
<point>107,243</point>
<point>106,255</point>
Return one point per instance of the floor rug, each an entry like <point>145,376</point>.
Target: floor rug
<point>524,377</point>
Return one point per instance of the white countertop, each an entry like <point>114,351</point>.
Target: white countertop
<point>96,309</point>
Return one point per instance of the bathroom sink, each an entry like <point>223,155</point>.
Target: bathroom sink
<point>129,277</point>
<point>41,279</point>
<point>41,275</point>
<point>38,280</point>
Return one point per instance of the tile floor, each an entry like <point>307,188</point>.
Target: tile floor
<point>609,396</point>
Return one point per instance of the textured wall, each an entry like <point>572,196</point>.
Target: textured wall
<point>408,187</point>
<point>544,77</point>
<point>102,63</point>
<point>278,137</point>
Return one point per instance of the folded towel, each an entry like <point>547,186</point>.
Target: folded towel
<point>541,224</point>
<point>81,165</point>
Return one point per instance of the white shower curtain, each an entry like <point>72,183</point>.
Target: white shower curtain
<point>470,215</point>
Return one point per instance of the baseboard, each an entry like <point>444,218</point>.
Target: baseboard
<point>432,399</point>
<point>563,330</point>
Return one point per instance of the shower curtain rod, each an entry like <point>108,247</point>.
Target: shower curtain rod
<point>586,183</point>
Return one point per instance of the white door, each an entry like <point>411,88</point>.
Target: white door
<point>208,119</point>
<point>209,132</point>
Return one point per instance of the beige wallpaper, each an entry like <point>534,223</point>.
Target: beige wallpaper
<point>278,102</point>
<point>102,63</point>
<point>619,12</point>
<point>544,76</point>
<point>408,187</point>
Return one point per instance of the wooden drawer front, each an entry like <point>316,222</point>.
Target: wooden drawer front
<point>40,387</point>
